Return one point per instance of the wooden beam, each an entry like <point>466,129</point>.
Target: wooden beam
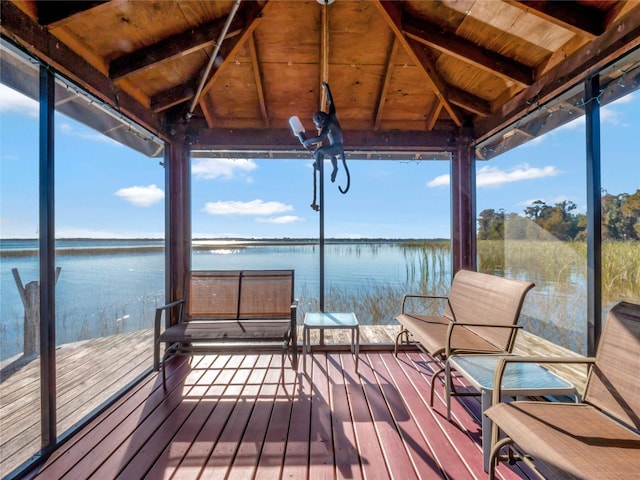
<point>374,141</point>
<point>174,96</point>
<point>583,64</point>
<point>385,84</point>
<point>433,114</point>
<point>254,15</point>
<point>468,101</point>
<point>171,47</point>
<point>579,18</point>
<point>257,75</point>
<point>50,50</point>
<point>392,13</point>
<point>49,12</point>
<point>467,51</point>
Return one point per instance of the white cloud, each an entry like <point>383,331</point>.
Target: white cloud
<point>493,176</point>
<point>439,181</point>
<point>211,168</point>
<point>254,207</point>
<point>141,196</point>
<point>13,101</point>
<point>280,220</point>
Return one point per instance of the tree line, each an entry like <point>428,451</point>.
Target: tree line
<point>620,220</point>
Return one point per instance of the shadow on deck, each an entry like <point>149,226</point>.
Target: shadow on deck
<point>234,417</point>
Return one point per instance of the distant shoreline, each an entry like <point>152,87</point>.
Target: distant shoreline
<point>199,244</point>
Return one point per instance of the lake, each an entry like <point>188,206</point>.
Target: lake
<point>113,286</point>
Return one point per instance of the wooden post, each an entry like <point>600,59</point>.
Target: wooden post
<point>463,193</point>
<point>30,295</point>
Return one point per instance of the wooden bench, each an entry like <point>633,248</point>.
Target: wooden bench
<point>231,310</point>
<point>597,438</point>
<point>479,315</point>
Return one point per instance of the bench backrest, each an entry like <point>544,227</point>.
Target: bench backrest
<point>238,294</point>
<point>614,383</point>
<point>481,298</point>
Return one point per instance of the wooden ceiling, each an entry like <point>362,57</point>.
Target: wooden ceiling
<point>405,75</point>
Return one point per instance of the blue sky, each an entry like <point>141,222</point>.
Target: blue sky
<point>103,189</point>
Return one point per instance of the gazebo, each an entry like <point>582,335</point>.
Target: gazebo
<point>462,81</point>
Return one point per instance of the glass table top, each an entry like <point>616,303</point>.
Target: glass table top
<point>330,319</point>
<point>481,368</point>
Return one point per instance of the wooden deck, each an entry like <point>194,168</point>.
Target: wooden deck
<point>91,372</point>
<point>232,415</point>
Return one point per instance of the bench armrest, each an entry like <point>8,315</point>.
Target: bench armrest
<point>453,324</point>
<point>156,329</point>
<point>419,295</point>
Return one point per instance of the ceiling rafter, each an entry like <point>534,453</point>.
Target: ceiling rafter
<point>461,48</point>
<point>254,15</point>
<point>257,75</point>
<point>581,64</point>
<point>185,92</point>
<point>466,100</point>
<point>392,14</point>
<point>32,37</point>
<point>578,18</point>
<point>382,98</point>
<point>432,115</point>
<point>178,45</point>
<point>252,12</point>
<point>53,12</point>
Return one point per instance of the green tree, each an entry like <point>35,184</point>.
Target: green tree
<point>491,225</point>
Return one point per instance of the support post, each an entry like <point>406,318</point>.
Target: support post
<point>177,166</point>
<point>463,207</point>
<point>321,239</point>
<point>47,261</point>
<point>594,215</point>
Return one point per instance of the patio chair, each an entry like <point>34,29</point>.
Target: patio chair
<point>597,438</point>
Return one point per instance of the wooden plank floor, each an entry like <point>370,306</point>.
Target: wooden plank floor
<point>236,417</point>
<point>90,372</point>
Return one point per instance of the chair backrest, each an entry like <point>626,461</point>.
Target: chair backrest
<point>266,294</point>
<point>212,294</point>
<point>238,294</point>
<point>481,298</point>
<point>614,380</point>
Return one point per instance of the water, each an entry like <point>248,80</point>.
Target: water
<point>114,286</point>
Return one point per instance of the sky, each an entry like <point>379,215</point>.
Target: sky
<point>105,190</point>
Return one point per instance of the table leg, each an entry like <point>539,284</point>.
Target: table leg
<point>305,345</point>
<point>486,427</point>
<point>357,345</point>
<point>447,387</point>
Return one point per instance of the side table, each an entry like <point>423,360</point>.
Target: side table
<point>519,380</point>
<point>325,320</point>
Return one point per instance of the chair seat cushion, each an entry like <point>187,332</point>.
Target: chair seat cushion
<point>572,440</point>
<point>227,331</point>
<point>431,333</point>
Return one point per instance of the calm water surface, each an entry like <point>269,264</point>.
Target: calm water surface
<point>114,286</point>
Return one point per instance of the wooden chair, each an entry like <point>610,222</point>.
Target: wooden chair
<point>595,439</point>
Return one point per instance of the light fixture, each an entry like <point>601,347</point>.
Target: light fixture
<point>326,2</point>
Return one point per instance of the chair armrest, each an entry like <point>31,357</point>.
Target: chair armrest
<point>452,324</point>
<point>156,330</point>
<point>504,360</point>
<point>419,295</point>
